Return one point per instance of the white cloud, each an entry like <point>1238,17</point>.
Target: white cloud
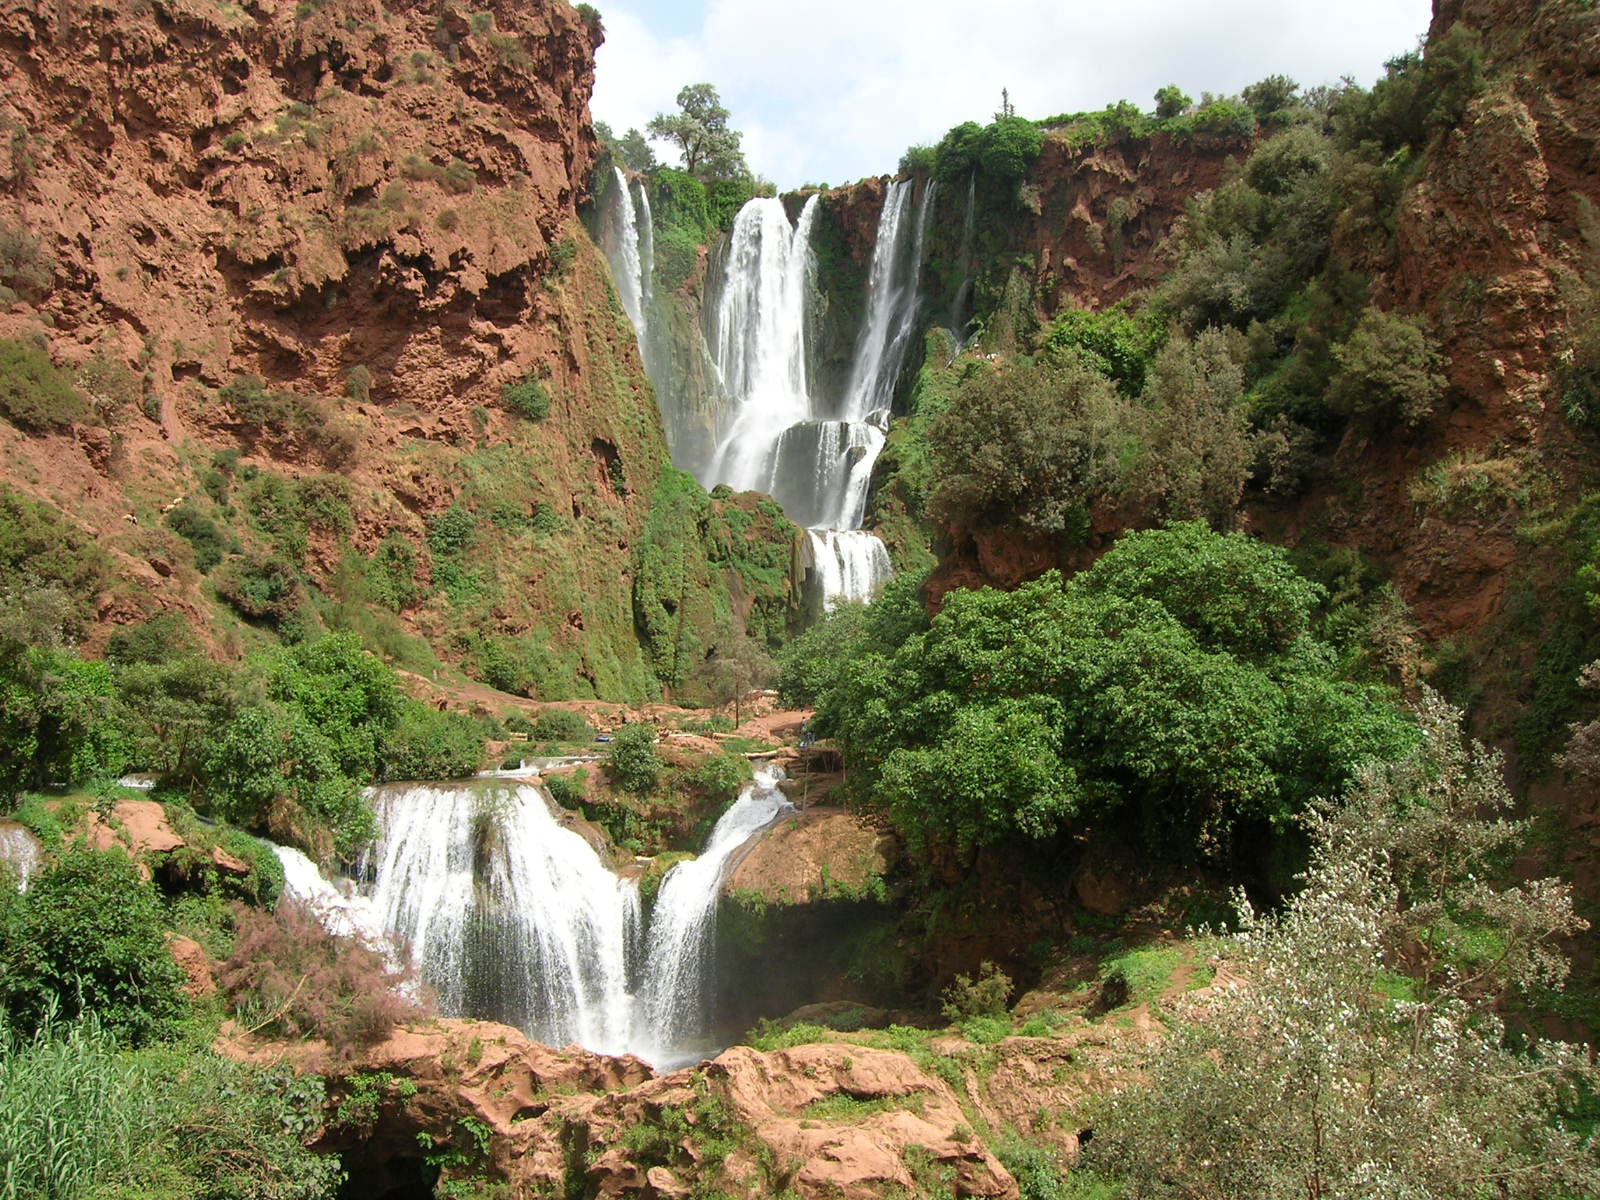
<point>837,89</point>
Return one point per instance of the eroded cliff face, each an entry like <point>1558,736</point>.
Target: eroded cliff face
<point>328,237</point>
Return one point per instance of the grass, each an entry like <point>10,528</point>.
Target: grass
<point>842,1106</point>
<point>1146,971</point>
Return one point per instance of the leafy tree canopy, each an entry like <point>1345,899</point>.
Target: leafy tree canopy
<point>700,131</point>
<point>1176,686</point>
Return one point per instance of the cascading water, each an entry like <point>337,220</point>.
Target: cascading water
<point>511,915</point>
<point>20,850</point>
<point>680,944</point>
<point>776,435</point>
<point>623,249</point>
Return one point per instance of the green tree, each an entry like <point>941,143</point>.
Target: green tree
<point>700,130</point>
<point>1174,688</point>
<point>633,761</point>
<point>1197,444</point>
<point>34,395</point>
<point>1172,102</point>
<point>1389,370</point>
<point>1364,1056</point>
<point>1028,445</point>
<point>1272,94</point>
<point>88,936</point>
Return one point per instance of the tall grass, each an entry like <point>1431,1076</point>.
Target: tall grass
<point>70,1110</point>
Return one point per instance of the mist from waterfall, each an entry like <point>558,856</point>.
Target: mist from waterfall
<point>510,914</point>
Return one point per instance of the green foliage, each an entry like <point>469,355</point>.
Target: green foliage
<point>1420,96</point>
<point>208,540</point>
<point>560,725</point>
<point>1197,449</point>
<point>1324,1069</point>
<point>88,937</point>
<point>527,398</point>
<point>453,531</point>
<point>154,640</point>
<point>391,578</point>
<point>1171,102</point>
<point>1121,346</point>
<point>427,744</point>
<point>1029,445</point>
<point>1139,976</point>
<point>282,415</point>
<point>261,588</point>
<point>632,761</point>
<point>569,791</point>
<point>1035,1168</point>
<point>1272,95</point>
<point>82,1117</point>
<point>720,777</point>
<point>170,708</point>
<point>981,995</point>
<point>1003,150</point>
<point>1389,370</point>
<point>287,510</point>
<point>680,205</point>
<point>34,395</point>
<point>53,704</point>
<point>1173,687</point>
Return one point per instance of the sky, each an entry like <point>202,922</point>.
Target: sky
<point>829,91</point>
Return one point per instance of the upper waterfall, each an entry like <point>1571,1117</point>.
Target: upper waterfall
<point>776,433</point>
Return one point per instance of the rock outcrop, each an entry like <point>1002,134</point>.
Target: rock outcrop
<point>476,1101</point>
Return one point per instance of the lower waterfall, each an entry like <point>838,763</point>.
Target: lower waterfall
<point>510,914</point>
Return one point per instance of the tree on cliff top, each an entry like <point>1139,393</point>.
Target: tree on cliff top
<point>700,129</point>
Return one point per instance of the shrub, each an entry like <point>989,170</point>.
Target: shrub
<point>34,395</point>
<point>981,995</point>
<point>1271,95</point>
<point>452,531</point>
<point>633,762</point>
<point>561,725</point>
<point>358,384</point>
<point>569,791</point>
<point>527,398</point>
<point>26,266</point>
<point>88,937</point>
<point>290,977</point>
<point>155,640</point>
<point>261,588</point>
<point>1389,370</point>
<point>427,744</point>
<point>209,542</point>
<point>1029,445</point>
<point>392,575</point>
<point>721,777</point>
<point>1271,1085</point>
<point>39,545</point>
<point>1171,102</point>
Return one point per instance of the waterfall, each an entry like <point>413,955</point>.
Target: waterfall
<point>758,339</point>
<point>510,914</point>
<point>852,563</point>
<point>645,223</point>
<point>20,849</point>
<point>623,251</point>
<point>680,943</point>
<point>969,228</point>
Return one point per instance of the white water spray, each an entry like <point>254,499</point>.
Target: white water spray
<point>510,914</point>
